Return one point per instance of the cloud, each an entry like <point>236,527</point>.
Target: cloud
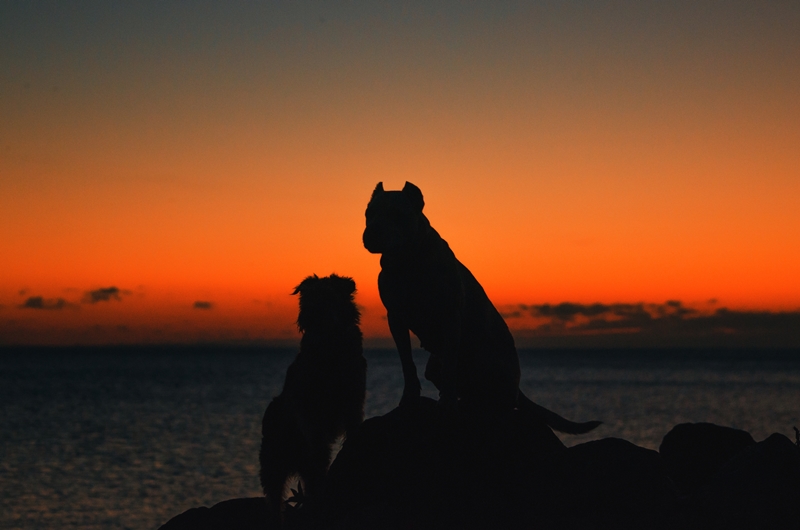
<point>200,304</point>
<point>669,321</point>
<point>623,314</point>
<point>103,294</point>
<point>39,302</point>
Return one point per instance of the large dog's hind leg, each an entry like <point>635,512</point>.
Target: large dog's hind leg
<point>402,339</point>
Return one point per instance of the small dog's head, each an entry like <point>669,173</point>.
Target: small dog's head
<point>327,303</point>
<point>394,219</point>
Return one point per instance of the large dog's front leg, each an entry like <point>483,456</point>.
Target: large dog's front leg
<point>402,339</point>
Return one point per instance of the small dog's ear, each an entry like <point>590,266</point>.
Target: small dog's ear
<point>345,282</point>
<point>305,283</point>
<point>378,189</point>
<point>414,194</point>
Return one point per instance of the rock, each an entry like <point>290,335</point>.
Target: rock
<point>611,483</point>
<point>417,467</point>
<point>234,514</point>
<point>694,452</point>
<point>757,489</point>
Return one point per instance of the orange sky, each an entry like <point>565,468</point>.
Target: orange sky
<point>574,153</point>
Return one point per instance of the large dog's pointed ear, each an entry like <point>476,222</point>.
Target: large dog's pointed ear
<point>378,189</point>
<point>414,194</point>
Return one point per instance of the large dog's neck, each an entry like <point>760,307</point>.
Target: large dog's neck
<point>427,241</point>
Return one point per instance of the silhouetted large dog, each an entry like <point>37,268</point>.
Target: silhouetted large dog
<point>323,394</point>
<point>428,291</point>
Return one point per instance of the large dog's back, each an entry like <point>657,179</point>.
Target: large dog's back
<point>488,365</point>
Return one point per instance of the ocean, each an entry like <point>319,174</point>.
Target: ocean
<point>128,437</point>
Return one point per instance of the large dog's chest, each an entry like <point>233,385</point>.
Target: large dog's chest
<point>418,294</point>
<point>439,300</point>
<point>428,297</point>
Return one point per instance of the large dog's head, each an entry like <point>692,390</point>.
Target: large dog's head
<point>394,219</point>
<point>327,303</point>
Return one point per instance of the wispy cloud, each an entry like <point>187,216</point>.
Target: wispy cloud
<point>39,302</point>
<point>581,317</point>
<point>201,304</point>
<point>671,320</point>
<point>103,294</point>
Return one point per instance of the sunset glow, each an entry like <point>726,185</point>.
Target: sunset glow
<point>216,154</point>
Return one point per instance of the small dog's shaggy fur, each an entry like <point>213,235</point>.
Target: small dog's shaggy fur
<point>426,290</point>
<point>323,394</point>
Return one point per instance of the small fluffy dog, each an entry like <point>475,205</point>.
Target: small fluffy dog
<point>426,290</point>
<point>323,394</point>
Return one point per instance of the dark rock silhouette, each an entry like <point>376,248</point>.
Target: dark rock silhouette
<point>614,484</point>
<point>416,467</point>
<point>758,489</point>
<point>419,467</point>
<point>235,514</point>
<point>694,452</point>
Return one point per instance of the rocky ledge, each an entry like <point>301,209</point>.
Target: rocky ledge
<point>417,468</point>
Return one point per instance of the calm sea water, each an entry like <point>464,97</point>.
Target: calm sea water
<point>128,438</point>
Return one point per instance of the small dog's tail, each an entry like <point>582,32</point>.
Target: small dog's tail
<point>554,420</point>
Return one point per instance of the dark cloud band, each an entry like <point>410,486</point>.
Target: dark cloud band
<point>39,302</point>
<point>103,294</point>
<point>668,320</point>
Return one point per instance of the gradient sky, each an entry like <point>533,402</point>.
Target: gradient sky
<point>583,152</point>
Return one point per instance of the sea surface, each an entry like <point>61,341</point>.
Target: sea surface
<point>129,437</point>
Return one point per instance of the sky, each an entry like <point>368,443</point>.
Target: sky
<point>612,173</point>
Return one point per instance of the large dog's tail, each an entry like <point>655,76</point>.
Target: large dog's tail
<point>554,420</point>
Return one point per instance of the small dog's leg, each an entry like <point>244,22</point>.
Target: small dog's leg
<point>352,422</point>
<point>315,465</point>
<point>412,387</point>
<point>274,484</point>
